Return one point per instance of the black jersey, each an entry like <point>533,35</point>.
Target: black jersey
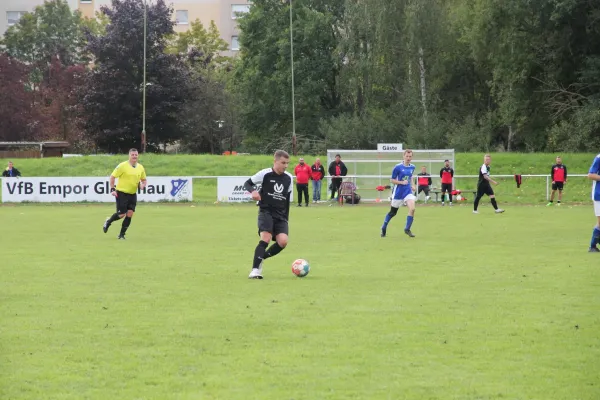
<point>275,191</point>
<point>483,171</point>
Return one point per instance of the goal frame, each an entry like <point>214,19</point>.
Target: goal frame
<point>385,159</point>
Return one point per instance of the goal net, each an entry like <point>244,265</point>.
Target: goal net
<point>368,169</point>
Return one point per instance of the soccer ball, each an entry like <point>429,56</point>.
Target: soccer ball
<point>300,268</point>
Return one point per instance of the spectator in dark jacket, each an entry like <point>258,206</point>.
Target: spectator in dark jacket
<point>317,175</point>
<point>11,171</point>
<point>303,173</point>
<point>337,169</point>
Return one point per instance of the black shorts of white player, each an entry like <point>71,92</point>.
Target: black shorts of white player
<point>484,186</point>
<point>272,188</point>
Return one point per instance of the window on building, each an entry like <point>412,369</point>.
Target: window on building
<point>85,1</point>
<point>238,9</point>
<point>14,16</point>
<point>235,44</point>
<point>181,17</point>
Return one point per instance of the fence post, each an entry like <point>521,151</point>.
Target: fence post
<point>547,192</point>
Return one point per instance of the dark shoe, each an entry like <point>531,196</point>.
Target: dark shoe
<point>106,225</point>
<point>383,232</point>
<point>409,233</point>
<point>121,237</point>
<point>593,250</point>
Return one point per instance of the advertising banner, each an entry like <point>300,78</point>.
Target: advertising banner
<point>78,189</point>
<point>230,189</point>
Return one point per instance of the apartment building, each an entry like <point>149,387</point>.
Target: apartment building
<point>223,12</point>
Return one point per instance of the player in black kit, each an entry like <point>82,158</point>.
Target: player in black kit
<point>272,188</point>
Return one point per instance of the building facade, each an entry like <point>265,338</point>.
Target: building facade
<point>223,12</point>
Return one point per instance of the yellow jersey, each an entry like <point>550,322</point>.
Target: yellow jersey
<point>129,177</point>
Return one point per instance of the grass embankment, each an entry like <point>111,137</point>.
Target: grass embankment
<point>533,190</point>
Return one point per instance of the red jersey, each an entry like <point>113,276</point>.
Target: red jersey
<point>559,173</point>
<point>318,172</point>
<point>302,172</point>
<point>446,174</point>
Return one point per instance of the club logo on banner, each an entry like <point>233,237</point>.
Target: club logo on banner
<point>163,188</point>
<point>230,189</point>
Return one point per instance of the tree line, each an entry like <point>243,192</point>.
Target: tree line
<point>473,75</point>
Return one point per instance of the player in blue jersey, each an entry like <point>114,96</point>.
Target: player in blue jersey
<point>594,175</point>
<point>403,193</point>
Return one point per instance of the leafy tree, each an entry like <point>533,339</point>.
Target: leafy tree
<point>112,94</point>
<point>263,76</point>
<point>19,118</point>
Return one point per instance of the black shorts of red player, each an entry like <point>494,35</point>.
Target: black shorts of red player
<point>558,186</point>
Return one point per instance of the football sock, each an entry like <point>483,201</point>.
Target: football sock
<point>273,250</point>
<point>387,220</point>
<point>409,221</point>
<point>558,202</point>
<point>125,225</point>
<point>259,254</point>
<point>113,218</point>
<point>476,203</point>
<point>494,204</point>
<point>595,237</point>
<point>551,201</point>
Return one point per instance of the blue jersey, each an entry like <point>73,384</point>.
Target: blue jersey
<point>402,172</point>
<point>595,169</point>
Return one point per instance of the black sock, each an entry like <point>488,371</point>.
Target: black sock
<point>493,200</point>
<point>553,201</point>
<point>273,250</point>
<point>113,218</point>
<point>259,254</point>
<point>558,202</point>
<point>476,204</point>
<point>126,223</point>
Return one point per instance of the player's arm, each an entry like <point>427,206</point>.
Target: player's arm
<point>430,181</point>
<point>565,173</point>
<point>552,174</point>
<point>287,203</point>
<point>441,172</point>
<point>253,181</point>
<point>593,172</point>
<point>143,180</point>
<point>486,176</point>
<point>115,174</point>
<point>452,172</point>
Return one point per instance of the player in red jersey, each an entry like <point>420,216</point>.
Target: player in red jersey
<point>559,178</point>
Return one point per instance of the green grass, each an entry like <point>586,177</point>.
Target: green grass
<point>205,190</point>
<point>475,307</point>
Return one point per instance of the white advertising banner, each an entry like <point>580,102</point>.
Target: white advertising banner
<point>77,189</point>
<point>230,189</point>
<point>391,147</point>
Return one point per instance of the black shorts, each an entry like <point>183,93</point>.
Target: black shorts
<point>125,201</point>
<point>423,188</point>
<point>485,188</point>
<point>447,187</point>
<point>558,185</point>
<point>268,223</point>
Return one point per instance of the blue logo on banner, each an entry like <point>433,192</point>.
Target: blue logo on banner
<point>177,185</point>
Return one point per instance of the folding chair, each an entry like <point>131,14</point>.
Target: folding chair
<point>346,189</point>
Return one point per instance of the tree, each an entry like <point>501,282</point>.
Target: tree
<point>112,94</point>
<point>51,31</point>
<point>263,74</point>
<point>19,118</point>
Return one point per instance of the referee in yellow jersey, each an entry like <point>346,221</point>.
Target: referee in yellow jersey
<point>130,173</point>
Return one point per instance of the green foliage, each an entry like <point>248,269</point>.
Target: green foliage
<point>112,96</point>
<point>207,42</point>
<point>52,30</point>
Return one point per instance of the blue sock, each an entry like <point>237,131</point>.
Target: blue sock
<point>595,237</point>
<point>386,221</point>
<point>409,221</point>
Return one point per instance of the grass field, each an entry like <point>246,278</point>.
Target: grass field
<point>475,307</point>
<point>533,190</point>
